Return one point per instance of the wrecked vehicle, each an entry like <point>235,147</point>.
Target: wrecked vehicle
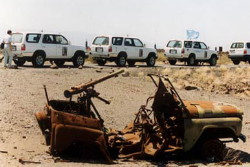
<point>170,126</point>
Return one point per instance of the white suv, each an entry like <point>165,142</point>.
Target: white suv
<point>191,52</point>
<point>121,50</point>
<point>39,47</point>
<point>240,51</point>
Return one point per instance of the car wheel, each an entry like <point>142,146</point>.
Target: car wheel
<point>131,63</point>
<point>78,60</point>
<point>121,61</point>
<point>19,62</point>
<point>38,60</point>
<point>213,150</point>
<point>101,62</point>
<point>172,62</point>
<point>59,63</point>
<point>151,61</point>
<point>213,61</point>
<point>236,62</point>
<point>191,61</point>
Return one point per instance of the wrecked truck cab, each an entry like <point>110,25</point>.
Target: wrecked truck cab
<point>206,125</point>
<point>211,120</point>
<point>170,126</point>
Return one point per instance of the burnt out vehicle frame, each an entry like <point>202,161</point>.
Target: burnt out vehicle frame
<point>170,126</point>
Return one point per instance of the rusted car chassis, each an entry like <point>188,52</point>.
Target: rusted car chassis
<point>170,126</point>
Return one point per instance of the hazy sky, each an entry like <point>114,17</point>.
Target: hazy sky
<point>219,22</point>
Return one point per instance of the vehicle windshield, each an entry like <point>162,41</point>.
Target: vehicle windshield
<point>17,38</point>
<point>174,44</point>
<point>101,41</point>
<point>237,45</point>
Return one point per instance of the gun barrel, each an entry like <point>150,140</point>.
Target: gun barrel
<point>80,88</point>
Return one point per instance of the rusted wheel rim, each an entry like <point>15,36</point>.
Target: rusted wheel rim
<point>213,150</point>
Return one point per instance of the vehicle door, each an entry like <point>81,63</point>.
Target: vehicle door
<point>62,48</point>
<point>49,45</point>
<point>188,47</point>
<point>197,50</point>
<point>139,49</point>
<point>117,44</point>
<point>130,48</point>
<point>204,51</point>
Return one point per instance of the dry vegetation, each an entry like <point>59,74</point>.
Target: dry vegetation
<point>219,80</point>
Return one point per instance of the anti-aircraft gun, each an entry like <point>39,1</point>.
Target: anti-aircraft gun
<point>66,122</point>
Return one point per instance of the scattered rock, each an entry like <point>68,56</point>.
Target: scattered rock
<point>15,147</point>
<point>191,87</point>
<point>126,74</point>
<point>80,67</point>
<point>98,70</point>
<point>54,66</point>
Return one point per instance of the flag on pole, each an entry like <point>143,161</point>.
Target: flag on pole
<point>191,34</point>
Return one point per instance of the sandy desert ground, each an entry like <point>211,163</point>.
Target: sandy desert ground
<point>22,94</point>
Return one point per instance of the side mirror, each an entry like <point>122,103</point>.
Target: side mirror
<point>69,42</point>
<point>208,47</point>
<point>144,45</point>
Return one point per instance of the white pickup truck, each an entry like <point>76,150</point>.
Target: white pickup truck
<point>38,47</point>
<point>121,50</point>
<point>189,51</point>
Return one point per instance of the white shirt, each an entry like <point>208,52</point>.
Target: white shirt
<point>7,40</point>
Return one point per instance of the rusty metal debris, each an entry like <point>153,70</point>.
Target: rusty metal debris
<point>171,125</point>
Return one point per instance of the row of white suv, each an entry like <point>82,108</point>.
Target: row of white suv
<point>39,47</point>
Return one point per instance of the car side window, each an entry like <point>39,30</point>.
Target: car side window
<point>138,43</point>
<point>117,40</point>
<point>197,45</point>
<point>188,44</point>
<point>48,39</point>
<point>129,42</point>
<point>248,45</point>
<point>33,38</point>
<point>203,45</point>
<point>61,40</point>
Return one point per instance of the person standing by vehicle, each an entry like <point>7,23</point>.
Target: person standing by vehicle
<point>8,55</point>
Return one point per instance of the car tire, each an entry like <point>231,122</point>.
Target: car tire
<point>59,63</point>
<point>131,63</point>
<point>236,62</point>
<point>78,60</point>
<point>19,62</point>
<point>101,62</point>
<point>213,150</point>
<point>191,60</point>
<point>172,62</point>
<point>213,61</point>
<point>38,60</point>
<point>150,61</point>
<point>121,60</point>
